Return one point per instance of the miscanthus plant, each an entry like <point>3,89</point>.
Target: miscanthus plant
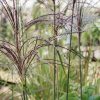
<point>16,51</point>
<point>25,49</point>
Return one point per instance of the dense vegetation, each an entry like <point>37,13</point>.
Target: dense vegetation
<point>52,53</point>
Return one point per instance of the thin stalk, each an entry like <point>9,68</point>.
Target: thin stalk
<point>79,44</point>
<point>70,46</point>
<point>24,96</point>
<point>12,87</point>
<point>55,43</point>
<point>54,73</point>
<point>80,66</point>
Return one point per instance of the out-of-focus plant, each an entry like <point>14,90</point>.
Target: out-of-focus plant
<point>91,37</point>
